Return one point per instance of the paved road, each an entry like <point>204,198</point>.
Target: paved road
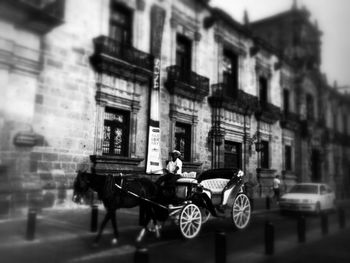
<point>63,236</point>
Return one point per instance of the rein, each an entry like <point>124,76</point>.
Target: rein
<point>140,197</point>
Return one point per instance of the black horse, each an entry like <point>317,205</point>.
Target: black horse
<point>114,197</point>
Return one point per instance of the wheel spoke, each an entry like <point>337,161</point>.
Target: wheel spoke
<point>186,228</point>
<point>240,219</point>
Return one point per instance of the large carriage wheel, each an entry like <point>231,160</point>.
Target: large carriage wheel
<point>190,221</point>
<point>241,211</point>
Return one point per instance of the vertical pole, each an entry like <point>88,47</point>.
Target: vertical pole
<point>31,223</point>
<point>94,218</point>
<point>220,247</point>
<point>244,142</point>
<point>269,238</point>
<point>267,201</point>
<point>301,229</point>
<point>141,255</point>
<point>341,218</point>
<point>324,224</point>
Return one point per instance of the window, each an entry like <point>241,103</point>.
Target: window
<point>309,107</point>
<point>265,155</point>
<point>233,151</point>
<point>230,73</point>
<point>288,158</point>
<point>120,24</point>
<point>263,90</point>
<point>286,101</point>
<point>116,132</point>
<point>183,56</point>
<point>183,140</point>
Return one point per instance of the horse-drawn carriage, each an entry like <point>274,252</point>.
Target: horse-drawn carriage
<point>217,192</point>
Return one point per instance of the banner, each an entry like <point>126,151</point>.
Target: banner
<point>154,161</point>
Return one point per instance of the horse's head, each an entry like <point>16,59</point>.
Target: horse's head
<point>80,186</point>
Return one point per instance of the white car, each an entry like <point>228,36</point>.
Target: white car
<point>308,197</point>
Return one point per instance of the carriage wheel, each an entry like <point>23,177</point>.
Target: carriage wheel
<point>241,211</point>
<point>190,221</point>
<point>205,215</point>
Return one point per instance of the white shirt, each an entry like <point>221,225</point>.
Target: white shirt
<point>276,183</point>
<point>172,166</point>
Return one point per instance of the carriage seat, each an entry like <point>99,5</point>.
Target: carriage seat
<point>186,181</point>
<point>216,186</point>
<point>189,175</point>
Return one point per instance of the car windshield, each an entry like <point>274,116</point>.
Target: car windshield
<point>306,189</point>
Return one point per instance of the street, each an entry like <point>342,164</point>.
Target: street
<point>64,236</point>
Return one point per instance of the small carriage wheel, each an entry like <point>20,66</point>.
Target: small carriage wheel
<point>241,211</point>
<point>190,221</point>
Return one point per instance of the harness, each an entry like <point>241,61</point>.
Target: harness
<point>142,197</point>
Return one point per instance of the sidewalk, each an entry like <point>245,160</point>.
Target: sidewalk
<point>262,205</point>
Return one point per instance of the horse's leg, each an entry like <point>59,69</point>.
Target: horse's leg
<point>157,227</point>
<point>103,224</point>
<point>143,220</point>
<point>115,227</point>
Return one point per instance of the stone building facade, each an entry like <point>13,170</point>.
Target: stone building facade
<point>76,79</point>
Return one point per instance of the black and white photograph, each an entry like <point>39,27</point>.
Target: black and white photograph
<point>168,131</point>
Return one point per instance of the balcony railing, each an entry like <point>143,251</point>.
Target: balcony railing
<point>290,120</point>
<point>239,101</point>
<point>114,49</point>
<point>120,60</point>
<point>39,15</point>
<point>51,7</point>
<point>268,112</point>
<point>187,83</point>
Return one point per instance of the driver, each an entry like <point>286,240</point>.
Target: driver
<point>174,166</point>
<point>173,172</point>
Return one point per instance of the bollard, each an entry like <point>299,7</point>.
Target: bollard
<point>267,202</point>
<point>220,247</point>
<point>301,229</point>
<point>141,255</point>
<point>324,224</point>
<point>31,222</point>
<point>269,238</point>
<point>94,218</point>
<point>341,218</point>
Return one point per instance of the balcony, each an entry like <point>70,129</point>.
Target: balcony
<point>119,60</point>
<point>241,102</point>
<point>38,15</point>
<point>290,121</point>
<point>187,84</point>
<point>268,112</point>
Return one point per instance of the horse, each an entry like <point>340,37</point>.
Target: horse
<point>114,197</point>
